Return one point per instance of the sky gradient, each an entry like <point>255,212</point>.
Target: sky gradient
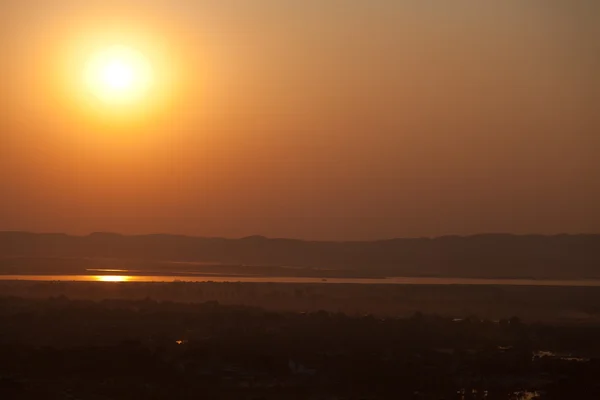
<point>309,119</point>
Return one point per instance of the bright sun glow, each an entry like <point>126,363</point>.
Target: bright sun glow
<point>119,75</point>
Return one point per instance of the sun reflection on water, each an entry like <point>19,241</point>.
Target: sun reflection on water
<point>112,278</point>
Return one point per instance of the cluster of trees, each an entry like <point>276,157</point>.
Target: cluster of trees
<point>115,349</point>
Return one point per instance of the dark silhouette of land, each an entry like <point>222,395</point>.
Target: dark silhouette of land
<point>59,348</point>
<point>270,340</point>
<point>486,255</point>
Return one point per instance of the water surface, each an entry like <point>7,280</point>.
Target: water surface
<point>392,280</point>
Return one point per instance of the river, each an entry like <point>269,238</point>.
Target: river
<point>391,280</point>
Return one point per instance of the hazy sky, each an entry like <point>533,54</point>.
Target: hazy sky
<point>309,119</point>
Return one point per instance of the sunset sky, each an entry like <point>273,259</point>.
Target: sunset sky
<point>338,119</point>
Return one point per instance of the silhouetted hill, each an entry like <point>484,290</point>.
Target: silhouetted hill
<point>486,255</point>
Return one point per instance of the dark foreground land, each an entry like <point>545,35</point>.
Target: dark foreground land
<point>174,341</point>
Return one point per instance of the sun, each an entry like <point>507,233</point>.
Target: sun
<point>118,75</point>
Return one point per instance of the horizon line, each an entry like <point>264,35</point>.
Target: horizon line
<point>262,237</point>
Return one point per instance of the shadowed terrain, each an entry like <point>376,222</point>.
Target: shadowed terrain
<point>124,349</point>
<point>488,256</point>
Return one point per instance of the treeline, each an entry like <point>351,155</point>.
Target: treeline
<point>540,303</point>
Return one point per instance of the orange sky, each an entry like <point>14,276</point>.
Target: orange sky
<point>321,120</point>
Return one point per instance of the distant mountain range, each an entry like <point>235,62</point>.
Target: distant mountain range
<point>485,255</point>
